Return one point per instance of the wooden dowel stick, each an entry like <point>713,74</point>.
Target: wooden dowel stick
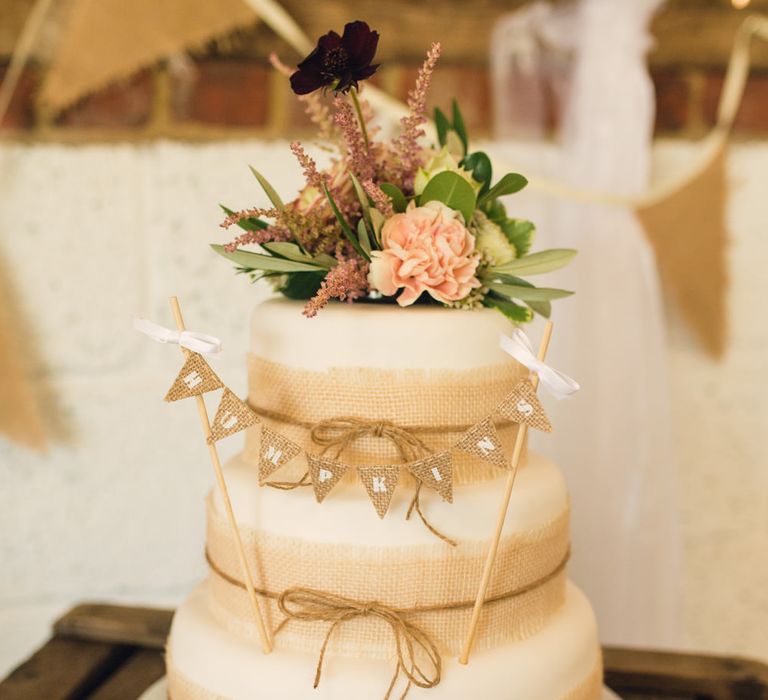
<point>266,642</point>
<point>492,552</point>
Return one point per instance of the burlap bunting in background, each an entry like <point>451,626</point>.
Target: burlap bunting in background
<point>436,472</point>
<point>325,474</point>
<point>483,441</point>
<point>380,483</point>
<point>194,379</point>
<point>688,232</point>
<point>523,406</point>
<point>105,41</point>
<point>276,451</point>
<point>232,416</point>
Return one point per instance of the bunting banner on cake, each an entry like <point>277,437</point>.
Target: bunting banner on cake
<point>232,416</point>
<point>380,483</point>
<point>523,406</point>
<point>276,451</point>
<point>482,440</point>
<point>194,379</point>
<point>325,474</point>
<point>436,472</point>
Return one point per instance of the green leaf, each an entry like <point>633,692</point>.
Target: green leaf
<point>399,201</point>
<point>514,312</point>
<point>519,233</point>
<point>479,164</point>
<point>362,234</point>
<point>345,226</point>
<point>362,198</point>
<point>458,125</point>
<point>496,211</point>
<point>538,263</point>
<point>526,293</point>
<point>302,285</point>
<point>453,191</point>
<point>249,224</point>
<point>543,308</point>
<point>377,219</point>
<point>257,261</point>
<point>509,184</point>
<point>442,125</point>
<point>277,203</point>
<point>291,251</point>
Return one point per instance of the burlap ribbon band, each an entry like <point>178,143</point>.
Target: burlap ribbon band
<point>432,585</point>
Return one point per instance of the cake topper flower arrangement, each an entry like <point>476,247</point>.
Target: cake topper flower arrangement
<point>391,220</point>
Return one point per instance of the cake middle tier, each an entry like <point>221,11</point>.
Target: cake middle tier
<point>341,548</point>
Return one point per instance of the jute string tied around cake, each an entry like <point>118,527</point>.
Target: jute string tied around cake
<point>418,657</point>
<point>341,432</point>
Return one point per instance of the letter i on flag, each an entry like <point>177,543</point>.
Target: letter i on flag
<point>232,416</point>
<point>435,471</point>
<point>195,378</point>
<point>380,484</point>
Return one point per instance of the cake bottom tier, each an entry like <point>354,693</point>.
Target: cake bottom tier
<point>205,661</point>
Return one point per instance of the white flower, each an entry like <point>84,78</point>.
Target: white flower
<point>490,239</point>
<point>441,162</point>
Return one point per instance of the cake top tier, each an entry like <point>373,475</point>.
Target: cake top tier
<point>377,336</point>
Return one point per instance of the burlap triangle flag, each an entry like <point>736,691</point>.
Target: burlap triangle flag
<point>380,483</point>
<point>523,406</point>
<point>483,441</point>
<point>276,451</point>
<point>436,472</point>
<point>325,474</point>
<point>105,41</point>
<point>232,416</point>
<point>195,378</point>
<point>687,230</point>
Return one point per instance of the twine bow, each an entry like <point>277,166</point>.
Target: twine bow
<point>342,432</point>
<point>519,347</point>
<point>191,340</point>
<point>411,642</point>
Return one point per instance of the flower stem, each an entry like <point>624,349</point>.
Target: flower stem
<point>359,111</point>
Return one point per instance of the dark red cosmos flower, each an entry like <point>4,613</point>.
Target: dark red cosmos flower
<point>339,61</point>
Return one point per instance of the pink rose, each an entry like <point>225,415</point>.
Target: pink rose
<point>425,249</point>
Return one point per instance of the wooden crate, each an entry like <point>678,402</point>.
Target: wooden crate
<point>110,652</point>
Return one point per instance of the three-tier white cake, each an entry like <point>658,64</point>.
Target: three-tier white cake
<point>433,373</point>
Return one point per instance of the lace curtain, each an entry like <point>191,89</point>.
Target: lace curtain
<point>586,61</point>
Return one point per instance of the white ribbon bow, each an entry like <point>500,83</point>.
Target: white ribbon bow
<point>196,342</point>
<point>519,347</point>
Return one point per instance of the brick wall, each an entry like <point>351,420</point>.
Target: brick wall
<point>234,93</point>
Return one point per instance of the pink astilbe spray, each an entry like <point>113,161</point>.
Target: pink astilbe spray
<point>382,202</point>
<point>347,281</point>
<point>308,165</point>
<point>256,212</point>
<point>358,157</point>
<point>263,235</point>
<point>407,144</point>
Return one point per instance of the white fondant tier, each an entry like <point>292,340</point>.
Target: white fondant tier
<point>555,664</point>
<point>377,336</point>
<point>346,516</point>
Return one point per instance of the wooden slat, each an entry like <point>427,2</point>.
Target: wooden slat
<point>139,672</point>
<point>64,669</point>
<point>118,624</point>
<point>699,676</point>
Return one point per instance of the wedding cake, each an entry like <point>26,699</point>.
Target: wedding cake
<point>426,369</point>
<point>362,543</point>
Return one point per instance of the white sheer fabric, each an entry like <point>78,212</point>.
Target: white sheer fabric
<point>613,440</point>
